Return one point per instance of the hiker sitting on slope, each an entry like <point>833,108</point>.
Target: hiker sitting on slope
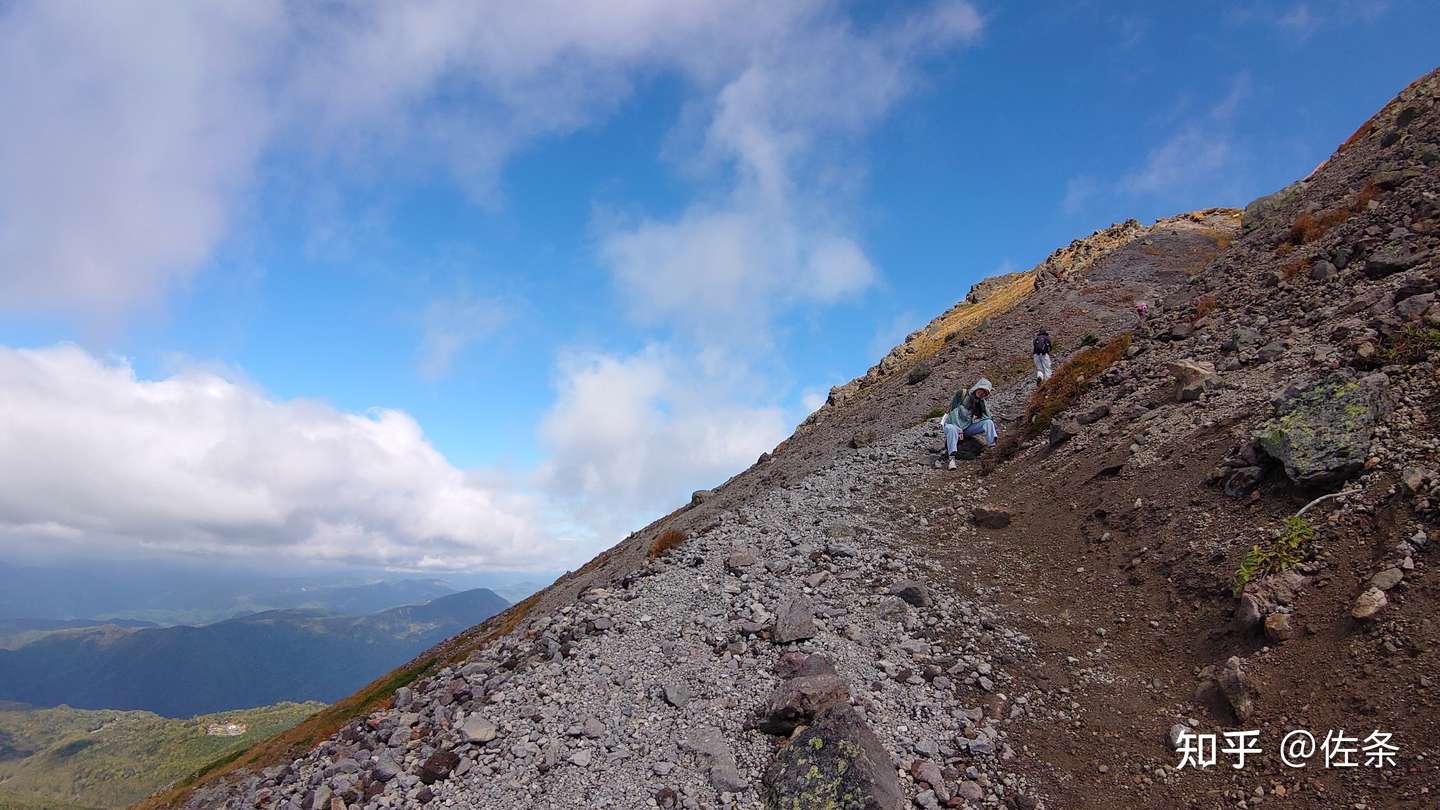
<point>970,415</point>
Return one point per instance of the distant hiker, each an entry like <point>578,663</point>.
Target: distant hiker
<point>969,415</point>
<point>1142,309</point>
<point>1042,349</point>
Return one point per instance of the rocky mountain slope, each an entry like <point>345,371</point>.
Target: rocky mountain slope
<point>845,625</point>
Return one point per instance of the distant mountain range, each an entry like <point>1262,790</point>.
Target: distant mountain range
<point>256,660</point>
<point>172,593</point>
<point>16,633</point>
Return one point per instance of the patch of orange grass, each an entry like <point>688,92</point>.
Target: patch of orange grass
<point>1364,130</point>
<point>1061,391</point>
<point>668,539</point>
<point>1204,305</point>
<point>1309,227</point>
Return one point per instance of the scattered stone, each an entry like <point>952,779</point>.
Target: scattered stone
<point>913,592</point>
<point>1190,377</point>
<point>1369,604</point>
<point>1236,689</point>
<point>1277,627</point>
<point>1062,430</point>
<point>677,693</point>
<point>477,729</point>
<point>918,373</point>
<point>1387,579</point>
<point>794,621</point>
<point>700,496</point>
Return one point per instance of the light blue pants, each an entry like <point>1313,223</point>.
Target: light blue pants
<point>984,428</point>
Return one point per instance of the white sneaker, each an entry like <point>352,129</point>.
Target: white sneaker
<point>951,465</point>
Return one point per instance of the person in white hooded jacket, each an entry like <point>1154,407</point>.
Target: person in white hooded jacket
<point>970,414</point>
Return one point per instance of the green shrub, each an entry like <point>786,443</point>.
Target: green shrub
<point>1280,554</point>
<point>1089,339</point>
<point>1412,344</point>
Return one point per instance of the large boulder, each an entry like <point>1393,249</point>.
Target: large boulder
<point>1190,378</point>
<point>836,764</point>
<point>812,685</point>
<point>1321,432</point>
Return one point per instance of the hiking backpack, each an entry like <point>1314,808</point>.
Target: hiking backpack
<point>1042,344</point>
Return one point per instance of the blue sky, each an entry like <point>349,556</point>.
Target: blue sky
<point>588,261</point>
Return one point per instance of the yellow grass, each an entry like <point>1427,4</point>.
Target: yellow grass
<point>965,319</point>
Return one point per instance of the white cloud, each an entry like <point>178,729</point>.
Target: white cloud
<point>1299,21</point>
<point>773,236</point>
<point>1197,154</point>
<point>1184,160</point>
<point>128,134</point>
<point>629,435</point>
<point>454,324</point>
<point>124,163</point>
<point>1079,191</point>
<point>94,457</point>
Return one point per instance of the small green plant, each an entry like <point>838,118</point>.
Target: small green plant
<point>935,412</point>
<point>1412,344</point>
<point>1279,555</point>
<point>1089,339</point>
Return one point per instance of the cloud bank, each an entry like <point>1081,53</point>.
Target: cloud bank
<point>194,463</point>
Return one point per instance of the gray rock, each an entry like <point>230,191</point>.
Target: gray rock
<point>1177,735</point>
<point>385,768</point>
<point>581,758</point>
<point>700,496</point>
<point>1235,688</point>
<point>812,686</point>
<point>717,759</point>
<point>740,560</point>
<point>1063,430</point>
<point>837,762</point>
<point>1389,260</point>
<point>892,608</point>
<point>677,693</point>
<point>1323,271</point>
<point>1094,415</point>
<point>477,729</point>
<point>1321,433</point>
<point>913,592</point>
<point>1415,306</point>
<point>1270,209</point>
<point>794,621</point>
<point>1387,579</point>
